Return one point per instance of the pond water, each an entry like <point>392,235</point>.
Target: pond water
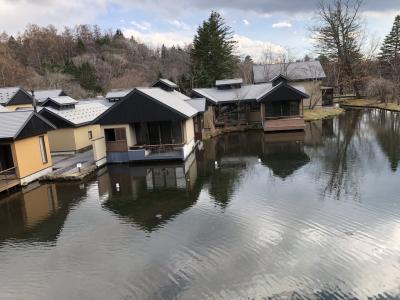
<point>249,216</point>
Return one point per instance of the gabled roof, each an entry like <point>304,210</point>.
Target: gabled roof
<point>229,81</point>
<point>83,113</point>
<point>279,76</point>
<point>244,93</point>
<point>42,95</point>
<point>289,92</point>
<point>14,122</point>
<point>61,100</point>
<point>7,93</point>
<point>295,71</point>
<point>171,99</point>
<point>198,104</point>
<point>149,104</point>
<point>118,93</point>
<point>167,82</point>
<point>252,92</point>
<point>14,96</point>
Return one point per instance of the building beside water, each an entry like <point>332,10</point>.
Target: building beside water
<point>24,148</point>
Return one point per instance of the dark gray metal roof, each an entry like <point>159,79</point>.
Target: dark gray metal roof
<point>305,70</point>
<point>7,93</point>
<point>244,93</point>
<point>62,100</point>
<point>172,99</point>
<point>118,93</point>
<point>42,95</point>
<point>198,103</point>
<point>13,122</point>
<point>169,83</point>
<point>83,113</point>
<point>229,81</point>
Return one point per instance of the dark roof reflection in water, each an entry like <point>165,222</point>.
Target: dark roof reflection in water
<point>149,196</point>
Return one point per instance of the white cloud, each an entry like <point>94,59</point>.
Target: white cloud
<point>143,26</point>
<point>256,48</point>
<point>179,24</point>
<point>283,24</point>
<point>245,45</point>
<point>156,39</point>
<point>246,22</point>
<point>15,15</point>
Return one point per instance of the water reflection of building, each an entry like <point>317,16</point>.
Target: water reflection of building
<point>283,153</point>
<point>28,209</point>
<point>38,212</point>
<point>150,196</point>
<point>317,131</point>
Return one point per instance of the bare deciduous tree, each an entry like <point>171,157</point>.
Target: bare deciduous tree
<point>338,36</point>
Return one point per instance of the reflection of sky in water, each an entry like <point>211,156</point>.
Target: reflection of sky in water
<point>244,229</point>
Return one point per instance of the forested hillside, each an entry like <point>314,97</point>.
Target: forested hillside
<point>84,60</point>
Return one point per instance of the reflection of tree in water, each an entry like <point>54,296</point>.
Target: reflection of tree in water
<point>233,152</point>
<point>339,151</point>
<point>387,129</point>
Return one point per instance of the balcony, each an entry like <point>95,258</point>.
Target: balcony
<point>8,179</point>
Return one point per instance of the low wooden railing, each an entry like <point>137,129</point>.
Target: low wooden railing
<point>117,146</point>
<point>283,117</point>
<point>158,148</point>
<point>7,177</point>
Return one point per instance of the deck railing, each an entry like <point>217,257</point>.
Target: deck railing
<point>7,178</point>
<point>158,148</point>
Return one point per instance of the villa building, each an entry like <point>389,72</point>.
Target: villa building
<point>24,148</point>
<point>274,106</point>
<point>75,131</point>
<point>154,123</point>
<point>43,95</point>
<point>307,75</point>
<point>15,97</point>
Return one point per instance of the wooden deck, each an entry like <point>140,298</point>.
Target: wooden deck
<point>8,179</point>
<point>288,124</point>
<point>6,185</point>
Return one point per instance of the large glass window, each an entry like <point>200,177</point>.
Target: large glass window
<point>158,133</point>
<point>282,109</point>
<point>43,149</point>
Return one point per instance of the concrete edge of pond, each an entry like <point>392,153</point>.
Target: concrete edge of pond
<point>77,176</point>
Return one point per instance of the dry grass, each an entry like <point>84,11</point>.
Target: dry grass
<point>372,104</point>
<point>321,113</point>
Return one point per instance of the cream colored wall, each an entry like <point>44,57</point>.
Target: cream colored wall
<point>81,136</point>
<point>312,88</point>
<point>209,118</point>
<point>62,140</point>
<point>38,205</point>
<point>27,156</point>
<point>73,139</point>
<point>130,132</point>
<point>14,107</point>
<point>189,130</point>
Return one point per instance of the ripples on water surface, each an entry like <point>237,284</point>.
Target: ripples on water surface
<point>290,216</point>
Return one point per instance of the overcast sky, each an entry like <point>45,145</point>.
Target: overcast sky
<point>258,24</point>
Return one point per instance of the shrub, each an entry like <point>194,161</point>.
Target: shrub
<point>381,89</point>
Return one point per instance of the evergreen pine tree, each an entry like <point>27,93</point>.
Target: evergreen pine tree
<point>212,55</point>
<point>390,50</point>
